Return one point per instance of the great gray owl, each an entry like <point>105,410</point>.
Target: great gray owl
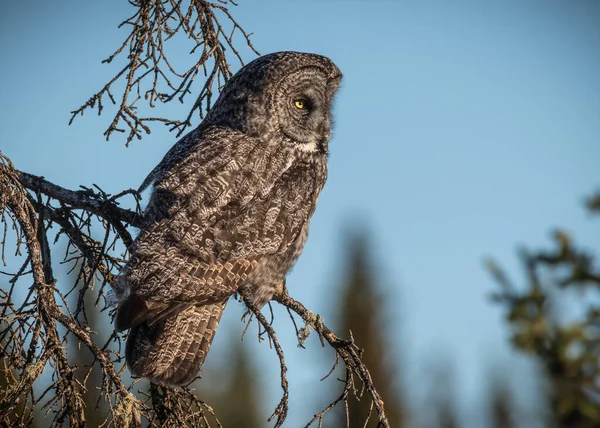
<point>230,208</point>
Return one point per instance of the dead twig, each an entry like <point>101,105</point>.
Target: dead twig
<point>149,73</point>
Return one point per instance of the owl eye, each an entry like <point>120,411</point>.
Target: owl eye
<point>300,103</point>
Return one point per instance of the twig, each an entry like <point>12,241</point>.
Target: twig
<point>281,410</point>
<point>346,350</point>
<point>152,25</point>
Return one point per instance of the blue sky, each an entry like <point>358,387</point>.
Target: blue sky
<point>463,129</point>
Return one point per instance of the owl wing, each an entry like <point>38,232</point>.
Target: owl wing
<point>185,255</point>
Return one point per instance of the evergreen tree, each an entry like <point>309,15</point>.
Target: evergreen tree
<point>502,412</point>
<point>238,405</point>
<point>362,306</point>
<point>568,349</point>
<point>441,403</point>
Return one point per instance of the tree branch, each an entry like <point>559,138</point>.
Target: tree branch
<point>152,25</point>
<point>85,199</point>
<point>282,408</point>
<point>346,350</point>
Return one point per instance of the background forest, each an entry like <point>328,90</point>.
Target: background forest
<point>457,238</point>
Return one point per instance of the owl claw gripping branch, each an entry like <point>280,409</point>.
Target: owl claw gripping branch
<point>230,208</point>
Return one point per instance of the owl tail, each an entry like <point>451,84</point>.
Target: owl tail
<point>171,351</point>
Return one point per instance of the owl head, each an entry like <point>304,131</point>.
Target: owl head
<point>282,98</point>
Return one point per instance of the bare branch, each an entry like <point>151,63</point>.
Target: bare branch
<point>150,75</point>
<point>282,408</point>
<point>32,329</point>
<point>346,350</point>
<point>84,199</point>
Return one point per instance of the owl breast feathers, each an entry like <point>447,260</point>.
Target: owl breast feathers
<point>230,208</point>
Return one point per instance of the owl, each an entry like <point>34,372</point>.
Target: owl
<point>229,210</point>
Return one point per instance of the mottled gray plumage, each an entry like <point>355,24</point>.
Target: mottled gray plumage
<point>230,208</point>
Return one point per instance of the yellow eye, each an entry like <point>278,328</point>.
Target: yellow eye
<point>300,104</point>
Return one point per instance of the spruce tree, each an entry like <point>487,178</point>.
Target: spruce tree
<point>567,348</point>
<point>502,411</point>
<point>362,306</point>
<point>237,403</point>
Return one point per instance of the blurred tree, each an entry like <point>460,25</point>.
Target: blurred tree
<point>567,347</point>
<point>239,403</point>
<point>502,411</point>
<point>362,307</point>
<point>440,408</point>
<point>446,413</point>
